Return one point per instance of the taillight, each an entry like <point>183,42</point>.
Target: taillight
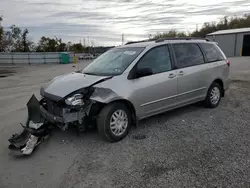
<point>228,62</point>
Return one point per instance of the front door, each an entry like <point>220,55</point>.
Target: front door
<point>155,93</point>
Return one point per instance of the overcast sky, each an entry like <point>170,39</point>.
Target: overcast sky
<point>105,20</point>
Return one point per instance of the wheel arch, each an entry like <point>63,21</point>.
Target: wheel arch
<point>130,106</point>
<point>100,105</point>
<point>105,96</point>
<point>220,82</point>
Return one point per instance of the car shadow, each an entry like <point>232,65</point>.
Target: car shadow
<point>92,133</point>
<point>162,117</point>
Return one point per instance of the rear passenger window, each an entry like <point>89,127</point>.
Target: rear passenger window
<point>158,59</point>
<point>188,55</point>
<point>212,52</point>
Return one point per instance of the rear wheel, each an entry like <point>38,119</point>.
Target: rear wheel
<point>213,95</point>
<point>114,122</point>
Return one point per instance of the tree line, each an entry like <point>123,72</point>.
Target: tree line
<point>210,27</point>
<point>16,40</point>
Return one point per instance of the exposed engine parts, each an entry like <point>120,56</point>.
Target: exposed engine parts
<point>44,114</point>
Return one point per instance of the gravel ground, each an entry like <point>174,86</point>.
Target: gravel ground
<point>188,147</point>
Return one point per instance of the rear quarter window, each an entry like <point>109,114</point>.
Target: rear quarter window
<point>212,52</point>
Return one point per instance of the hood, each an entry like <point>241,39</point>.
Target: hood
<point>65,84</point>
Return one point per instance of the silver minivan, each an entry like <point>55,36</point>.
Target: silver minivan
<point>134,81</point>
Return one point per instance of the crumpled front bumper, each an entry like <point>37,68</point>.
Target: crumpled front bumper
<point>62,116</point>
<point>50,117</point>
<point>39,124</point>
<point>40,112</point>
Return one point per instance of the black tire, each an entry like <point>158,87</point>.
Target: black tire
<point>103,121</point>
<point>208,101</point>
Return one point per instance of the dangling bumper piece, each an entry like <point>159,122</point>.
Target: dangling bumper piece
<point>35,125</point>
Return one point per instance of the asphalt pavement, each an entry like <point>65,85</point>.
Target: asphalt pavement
<point>189,147</point>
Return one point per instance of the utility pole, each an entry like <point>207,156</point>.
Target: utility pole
<point>196,27</point>
<point>122,38</point>
<point>93,46</point>
<point>84,41</point>
<point>88,45</point>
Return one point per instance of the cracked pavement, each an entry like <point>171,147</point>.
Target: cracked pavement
<point>188,147</point>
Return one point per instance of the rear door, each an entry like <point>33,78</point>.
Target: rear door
<point>192,72</point>
<point>155,93</point>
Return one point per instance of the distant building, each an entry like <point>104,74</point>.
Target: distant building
<point>234,42</point>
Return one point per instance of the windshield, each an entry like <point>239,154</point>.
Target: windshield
<point>113,62</point>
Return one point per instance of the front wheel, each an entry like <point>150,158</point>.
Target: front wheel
<point>213,95</point>
<point>114,122</point>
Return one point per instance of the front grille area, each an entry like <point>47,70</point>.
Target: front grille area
<point>53,107</point>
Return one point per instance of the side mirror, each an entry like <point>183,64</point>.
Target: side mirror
<point>141,72</point>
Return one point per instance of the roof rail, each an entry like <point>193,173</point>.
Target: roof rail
<point>181,38</point>
<point>169,38</point>
<point>133,42</point>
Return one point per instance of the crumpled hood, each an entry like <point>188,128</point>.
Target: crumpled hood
<point>65,84</point>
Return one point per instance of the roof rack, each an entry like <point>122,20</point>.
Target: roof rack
<point>133,42</point>
<point>180,38</point>
<point>169,38</point>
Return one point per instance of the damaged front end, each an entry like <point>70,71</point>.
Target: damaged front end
<point>71,111</point>
<point>66,102</point>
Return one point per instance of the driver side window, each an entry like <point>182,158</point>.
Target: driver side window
<point>158,59</point>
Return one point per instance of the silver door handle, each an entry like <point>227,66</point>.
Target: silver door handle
<point>172,75</point>
<point>181,73</point>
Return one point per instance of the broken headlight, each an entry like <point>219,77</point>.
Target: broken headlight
<point>75,100</point>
